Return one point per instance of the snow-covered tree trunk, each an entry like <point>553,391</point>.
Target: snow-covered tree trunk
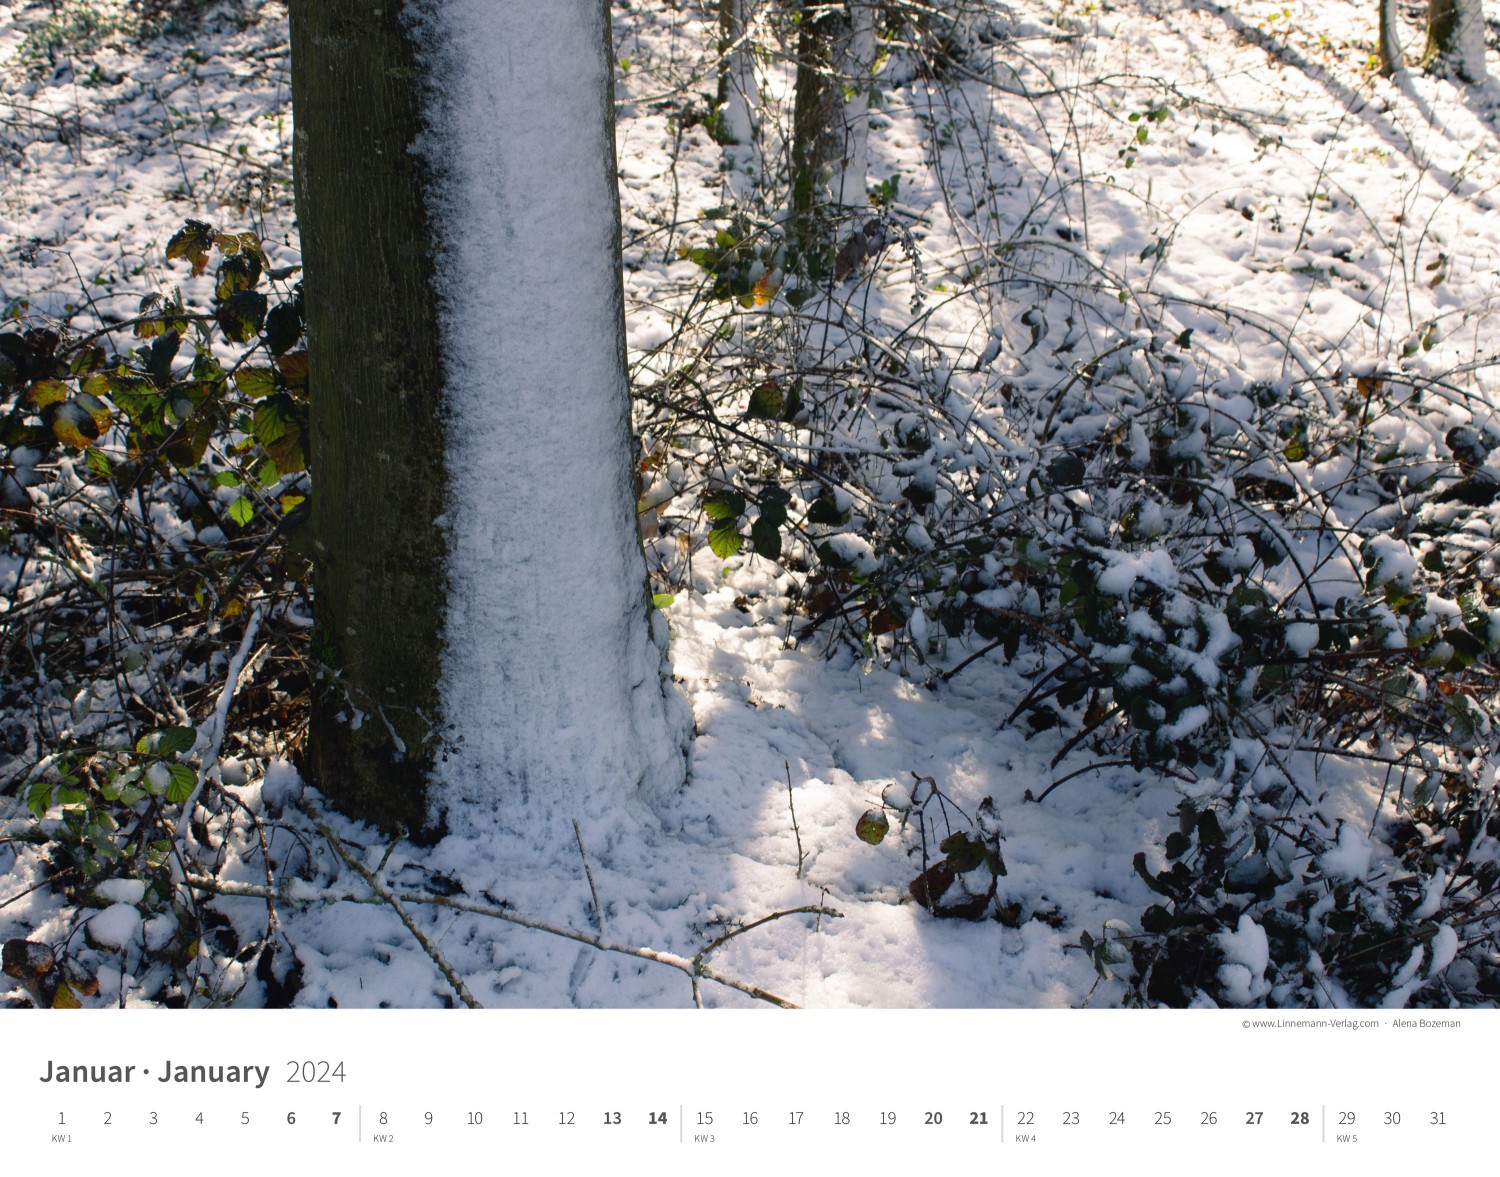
<point>1388,50</point>
<point>739,92</point>
<point>1455,39</point>
<point>854,69</point>
<point>550,698</point>
<point>830,121</point>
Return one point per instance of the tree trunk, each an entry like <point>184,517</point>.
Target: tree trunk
<point>496,256</point>
<point>375,386</point>
<point>739,93</point>
<point>1388,50</point>
<point>1455,39</point>
<point>830,124</point>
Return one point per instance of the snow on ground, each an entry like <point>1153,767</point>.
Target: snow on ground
<point>1347,222</point>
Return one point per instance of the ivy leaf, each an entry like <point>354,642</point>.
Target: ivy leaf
<point>725,541</point>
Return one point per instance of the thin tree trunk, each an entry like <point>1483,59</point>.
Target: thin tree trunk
<point>739,93</point>
<point>830,124</point>
<point>377,451</point>
<point>1388,51</point>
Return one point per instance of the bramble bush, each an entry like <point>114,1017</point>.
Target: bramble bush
<point>1242,584</point>
<point>151,473</point>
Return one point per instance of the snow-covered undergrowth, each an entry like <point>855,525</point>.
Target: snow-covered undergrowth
<point>1088,593</point>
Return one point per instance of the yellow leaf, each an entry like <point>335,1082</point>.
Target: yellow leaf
<point>766,288</point>
<point>65,998</point>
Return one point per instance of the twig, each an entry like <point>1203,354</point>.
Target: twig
<point>589,874</point>
<point>695,966</point>
<point>217,724</point>
<point>395,903</point>
<point>801,858</point>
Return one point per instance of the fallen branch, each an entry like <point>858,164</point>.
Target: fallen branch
<point>218,723</point>
<point>695,966</point>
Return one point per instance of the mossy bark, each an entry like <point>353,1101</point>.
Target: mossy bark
<point>1455,39</point>
<point>375,385</point>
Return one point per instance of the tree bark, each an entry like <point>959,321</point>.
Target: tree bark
<point>830,124</point>
<point>377,445</point>
<point>1455,39</point>
<point>1388,50</point>
<point>482,597</point>
<point>739,93</point>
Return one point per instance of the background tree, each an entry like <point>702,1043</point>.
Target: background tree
<point>1388,46</point>
<point>481,587</point>
<point>835,53</point>
<point>1455,39</point>
<point>739,92</point>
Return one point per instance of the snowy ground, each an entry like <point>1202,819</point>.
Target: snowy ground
<point>1339,215</point>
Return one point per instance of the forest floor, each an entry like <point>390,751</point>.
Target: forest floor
<point>1240,162</point>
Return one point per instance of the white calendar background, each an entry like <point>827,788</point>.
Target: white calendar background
<point>740,1092</point>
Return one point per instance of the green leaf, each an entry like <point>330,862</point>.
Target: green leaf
<point>1139,862</point>
<point>1156,919</point>
<point>725,541</point>
<point>241,315</point>
<point>242,510</point>
<point>724,504</point>
<point>766,536</point>
<point>238,273</point>
<point>283,327</point>
<point>255,382</point>
<point>47,392</point>
<point>184,781</point>
<point>872,827</point>
<point>766,402</point>
<point>39,798</point>
<point>663,600</point>
<point>824,510</point>
<point>172,740</point>
<point>74,426</point>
